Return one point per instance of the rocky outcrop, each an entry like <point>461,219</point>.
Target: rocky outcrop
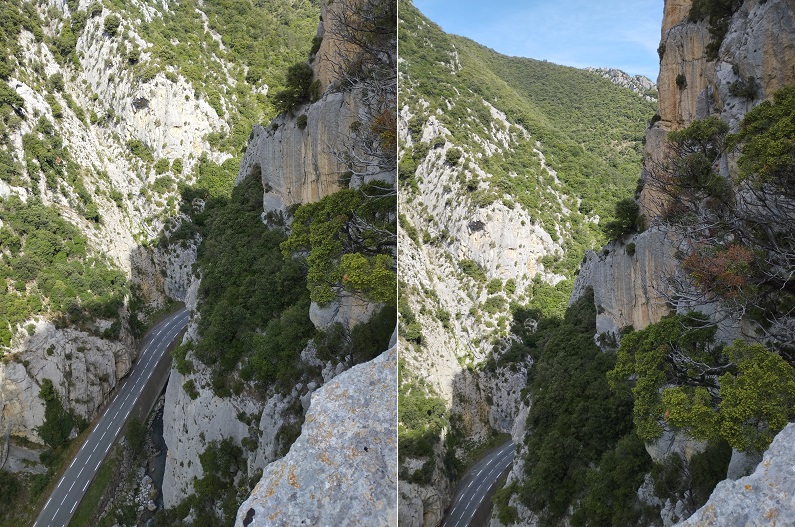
<point>341,470</point>
<point>298,163</point>
<point>164,115</point>
<point>764,498</point>
<point>758,50</point>
<point>639,84</point>
<point>84,369</point>
<point>629,287</point>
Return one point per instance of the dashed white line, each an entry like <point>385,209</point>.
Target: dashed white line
<point>73,508</point>
<point>86,485</point>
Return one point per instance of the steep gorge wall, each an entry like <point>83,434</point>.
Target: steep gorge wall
<point>163,115</point>
<point>759,44</point>
<point>300,158</point>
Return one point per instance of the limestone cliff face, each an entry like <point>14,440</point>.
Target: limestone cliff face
<point>84,369</point>
<point>629,288</point>
<point>298,164</point>
<point>759,47</point>
<point>165,116</point>
<point>341,470</point>
<point>764,498</point>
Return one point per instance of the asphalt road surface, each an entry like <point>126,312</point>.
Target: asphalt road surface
<point>70,490</point>
<point>475,485</point>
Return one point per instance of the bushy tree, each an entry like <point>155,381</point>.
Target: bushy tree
<point>743,394</point>
<point>111,24</point>
<point>297,89</point>
<point>348,235</point>
<point>626,220</point>
<point>58,422</point>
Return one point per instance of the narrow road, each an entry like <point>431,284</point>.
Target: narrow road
<point>70,490</point>
<point>475,485</point>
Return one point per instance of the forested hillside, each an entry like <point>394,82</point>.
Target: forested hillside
<point>123,125</point>
<point>510,170</point>
<point>689,307</point>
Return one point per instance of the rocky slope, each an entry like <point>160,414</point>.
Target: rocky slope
<point>175,125</point>
<point>338,456</point>
<point>640,278</point>
<point>489,211</point>
<point>301,157</point>
<point>639,84</point>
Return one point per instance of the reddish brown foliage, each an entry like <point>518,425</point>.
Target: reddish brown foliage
<point>722,271</point>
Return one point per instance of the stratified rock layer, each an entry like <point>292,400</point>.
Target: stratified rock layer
<point>347,447</point>
<point>765,498</point>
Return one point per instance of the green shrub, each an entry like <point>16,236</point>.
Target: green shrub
<point>55,82</point>
<point>316,42</point>
<point>9,486</point>
<point>111,25</point>
<point>162,166</point>
<point>139,149</point>
<point>190,388</point>
<point>301,121</point>
<point>472,269</point>
<point>297,88</point>
<point>744,88</point>
<point>626,221</point>
<point>494,286</point>
<point>58,422</point>
<point>452,156</point>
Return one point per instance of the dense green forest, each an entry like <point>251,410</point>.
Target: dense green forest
<point>48,267</point>
<point>676,374</point>
<point>575,465</point>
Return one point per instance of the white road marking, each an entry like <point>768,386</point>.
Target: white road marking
<point>139,379</point>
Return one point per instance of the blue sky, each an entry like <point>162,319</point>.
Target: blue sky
<point>620,34</point>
